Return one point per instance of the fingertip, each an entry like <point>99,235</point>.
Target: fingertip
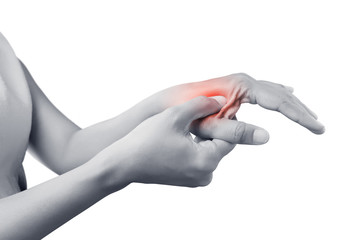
<point>320,131</point>
<point>260,136</point>
<point>316,127</point>
<point>220,99</point>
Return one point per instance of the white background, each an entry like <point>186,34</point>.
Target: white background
<point>95,59</point>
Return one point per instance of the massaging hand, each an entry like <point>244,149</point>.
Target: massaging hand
<point>241,88</point>
<point>161,150</point>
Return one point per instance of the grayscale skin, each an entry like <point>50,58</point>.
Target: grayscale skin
<point>149,143</point>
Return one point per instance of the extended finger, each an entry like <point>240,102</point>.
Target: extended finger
<point>312,113</point>
<point>298,114</point>
<point>230,130</point>
<point>275,98</point>
<point>277,85</point>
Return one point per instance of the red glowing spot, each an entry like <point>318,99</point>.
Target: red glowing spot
<point>232,91</point>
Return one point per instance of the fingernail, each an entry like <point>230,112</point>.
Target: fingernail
<point>220,99</point>
<point>260,136</point>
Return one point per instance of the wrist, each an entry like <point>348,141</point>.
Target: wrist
<point>109,173</point>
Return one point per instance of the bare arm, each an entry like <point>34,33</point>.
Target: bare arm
<point>168,156</point>
<point>34,213</point>
<point>62,146</point>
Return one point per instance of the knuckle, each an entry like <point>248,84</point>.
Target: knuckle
<point>287,94</point>
<point>239,132</point>
<point>284,92</point>
<point>286,89</point>
<point>281,86</point>
<point>284,102</point>
<point>247,82</point>
<point>242,75</point>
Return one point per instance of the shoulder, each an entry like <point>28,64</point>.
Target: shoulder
<point>4,44</point>
<point>12,72</point>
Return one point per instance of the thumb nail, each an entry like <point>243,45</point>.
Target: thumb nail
<point>260,136</point>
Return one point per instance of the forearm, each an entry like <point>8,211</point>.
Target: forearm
<point>233,88</point>
<point>34,213</point>
<point>87,142</point>
<point>61,145</point>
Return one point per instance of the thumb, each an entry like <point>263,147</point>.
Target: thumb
<point>221,147</point>
<point>215,149</point>
<point>198,107</point>
<point>230,130</point>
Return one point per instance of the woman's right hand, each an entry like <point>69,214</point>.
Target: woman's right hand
<point>161,150</point>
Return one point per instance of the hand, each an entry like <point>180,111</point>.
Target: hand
<point>279,98</point>
<point>241,88</point>
<point>161,149</point>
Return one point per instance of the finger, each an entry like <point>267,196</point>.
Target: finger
<point>218,148</point>
<point>213,151</point>
<point>223,147</point>
<point>291,90</point>
<point>313,114</point>
<point>273,97</point>
<point>297,114</point>
<point>198,107</point>
<point>288,88</point>
<point>277,85</point>
<point>230,130</point>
